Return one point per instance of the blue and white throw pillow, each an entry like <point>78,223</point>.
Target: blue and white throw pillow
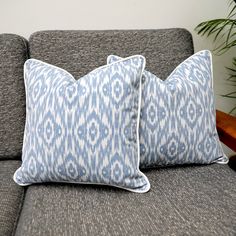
<point>83,131</point>
<point>178,124</point>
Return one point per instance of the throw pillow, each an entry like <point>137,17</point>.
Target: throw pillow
<point>83,131</point>
<point>178,124</point>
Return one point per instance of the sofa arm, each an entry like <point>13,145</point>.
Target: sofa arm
<point>226,127</point>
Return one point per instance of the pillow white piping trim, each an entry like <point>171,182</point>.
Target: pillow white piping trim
<point>70,75</point>
<point>137,131</point>
<point>84,183</point>
<point>108,58</point>
<point>138,122</point>
<point>223,159</point>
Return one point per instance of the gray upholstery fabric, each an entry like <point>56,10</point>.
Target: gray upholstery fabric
<point>182,201</point>
<point>79,52</point>
<point>11,197</point>
<point>13,53</point>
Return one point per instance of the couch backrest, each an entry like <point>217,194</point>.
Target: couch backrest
<point>13,53</point>
<point>79,52</point>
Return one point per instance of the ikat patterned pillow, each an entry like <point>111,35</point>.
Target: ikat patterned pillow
<point>86,130</point>
<point>178,124</point>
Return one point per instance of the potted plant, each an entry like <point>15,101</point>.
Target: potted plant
<point>224,38</point>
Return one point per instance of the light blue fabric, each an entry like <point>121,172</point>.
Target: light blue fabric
<point>177,124</point>
<point>83,131</point>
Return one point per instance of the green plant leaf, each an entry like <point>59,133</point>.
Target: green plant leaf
<point>230,95</point>
<point>230,14</point>
<point>231,69</point>
<point>219,27</point>
<point>210,27</point>
<point>224,32</point>
<point>227,47</point>
<point>232,111</point>
<point>230,31</point>
<point>226,23</point>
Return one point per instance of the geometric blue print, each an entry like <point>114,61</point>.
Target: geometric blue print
<point>86,130</point>
<point>177,123</point>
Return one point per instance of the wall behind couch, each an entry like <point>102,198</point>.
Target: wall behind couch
<point>26,16</point>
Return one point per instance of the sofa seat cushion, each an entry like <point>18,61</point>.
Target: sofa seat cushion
<point>11,196</point>
<point>198,200</point>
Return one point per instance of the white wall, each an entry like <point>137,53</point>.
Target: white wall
<point>26,16</point>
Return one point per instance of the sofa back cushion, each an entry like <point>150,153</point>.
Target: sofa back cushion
<point>79,52</point>
<point>13,53</point>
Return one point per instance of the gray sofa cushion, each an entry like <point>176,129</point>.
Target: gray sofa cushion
<point>183,201</point>
<point>81,51</point>
<point>11,197</point>
<point>13,53</point>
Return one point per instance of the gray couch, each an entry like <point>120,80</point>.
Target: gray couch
<point>192,200</point>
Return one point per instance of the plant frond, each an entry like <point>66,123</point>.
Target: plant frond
<point>210,26</point>
<point>230,13</point>
<point>219,27</point>
<point>225,24</point>
<point>231,78</point>
<point>232,110</point>
<point>230,95</point>
<point>227,47</point>
<point>223,31</point>
<point>233,23</point>
<point>231,2</point>
<point>231,69</point>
